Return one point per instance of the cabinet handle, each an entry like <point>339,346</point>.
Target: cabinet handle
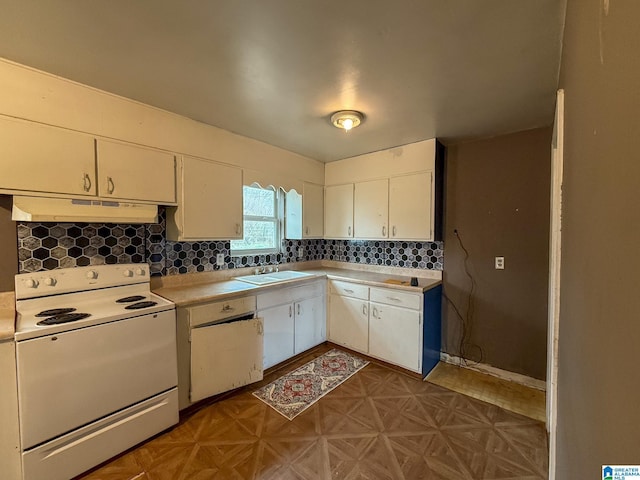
<point>364,309</point>
<point>349,231</point>
<point>306,231</point>
<point>298,309</point>
<point>384,231</point>
<point>290,311</point>
<point>110,185</point>
<point>87,182</point>
<point>237,229</point>
<point>393,232</point>
<point>375,312</point>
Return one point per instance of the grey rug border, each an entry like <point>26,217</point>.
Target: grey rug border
<point>366,362</point>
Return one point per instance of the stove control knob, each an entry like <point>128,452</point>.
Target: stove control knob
<point>31,283</point>
<point>91,274</point>
<point>141,271</point>
<point>50,282</point>
<point>127,273</point>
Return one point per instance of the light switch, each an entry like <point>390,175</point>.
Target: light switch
<point>220,259</point>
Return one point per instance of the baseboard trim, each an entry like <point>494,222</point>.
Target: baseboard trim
<point>495,371</point>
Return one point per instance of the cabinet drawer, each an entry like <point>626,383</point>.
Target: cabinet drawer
<point>347,289</point>
<point>290,295</point>
<point>211,312</point>
<point>397,298</point>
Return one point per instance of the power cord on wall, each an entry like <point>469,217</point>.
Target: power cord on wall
<point>465,347</point>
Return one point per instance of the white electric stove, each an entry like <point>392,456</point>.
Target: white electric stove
<point>97,367</point>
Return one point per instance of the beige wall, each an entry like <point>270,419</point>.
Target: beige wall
<point>497,197</point>
<point>598,379</point>
<point>8,246</point>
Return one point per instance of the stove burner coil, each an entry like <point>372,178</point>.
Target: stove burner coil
<point>63,318</point>
<point>134,298</point>
<point>136,306</point>
<point>55,311</point>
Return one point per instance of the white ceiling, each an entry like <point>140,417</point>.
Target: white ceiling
<point>275,70</point>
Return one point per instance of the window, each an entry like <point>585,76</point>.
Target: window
<point>261,225</point>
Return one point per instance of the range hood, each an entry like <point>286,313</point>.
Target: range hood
<point>43,209</point>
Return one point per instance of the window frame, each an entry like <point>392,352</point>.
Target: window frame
<point>276,219</point>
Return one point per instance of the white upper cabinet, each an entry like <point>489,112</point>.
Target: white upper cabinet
<point>209,202</point>
<point>338,211</point>
<point>410,206</point>
<point>304,213</point>
<point>312,211</point>
<point>135,173</point>
<point>38,158</point>
<point>371,209</point>
<point>293,215</point>
<point>395,195</point>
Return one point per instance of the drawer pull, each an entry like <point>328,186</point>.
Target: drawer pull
<point>395,299</point>
<point>348,290</point>
<point>227,308</point>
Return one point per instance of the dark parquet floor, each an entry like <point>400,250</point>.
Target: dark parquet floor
<point>379,424</point>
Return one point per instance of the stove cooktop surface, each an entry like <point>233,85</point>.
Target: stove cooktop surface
<point>105,293</point>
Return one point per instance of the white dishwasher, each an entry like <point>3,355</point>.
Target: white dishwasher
<point>220,348</point>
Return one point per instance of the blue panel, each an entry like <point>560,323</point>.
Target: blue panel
<point>432,332</point>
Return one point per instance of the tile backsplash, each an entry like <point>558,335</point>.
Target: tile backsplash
<point>46,246</point>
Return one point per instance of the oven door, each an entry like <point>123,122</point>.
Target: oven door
<point>70,379</point>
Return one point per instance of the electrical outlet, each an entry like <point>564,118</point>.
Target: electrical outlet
<point>220,259</point>
<point>499,263</point>
<point>300,252</point>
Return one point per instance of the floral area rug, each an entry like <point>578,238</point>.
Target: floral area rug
<point>296,391</point>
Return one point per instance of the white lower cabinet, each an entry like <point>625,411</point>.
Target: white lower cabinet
<point>278,334</point>
<point>349,322</point>
<point>310,327</point>
<point>294,321</point>
<point>384,323</point>
<point>395,335</point>
<point>10,464</point>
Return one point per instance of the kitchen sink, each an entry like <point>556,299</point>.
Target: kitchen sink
<point>273,277</point>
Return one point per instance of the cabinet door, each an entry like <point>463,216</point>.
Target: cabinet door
<point>338,211</point>
<point>371,209</point>
<point>293,215</point>
<point>312,211</point>
<point>278,334</point>
<point>310,324</point>
<point>135,173</point>
<point>225,356</point>
<point>349,322</point>
<point>410,207</point>
<point>209,204</point>
<point>37,158</point>
<point>395,335</point>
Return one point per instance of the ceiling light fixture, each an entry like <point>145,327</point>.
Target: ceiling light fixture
<point>347,119</point>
